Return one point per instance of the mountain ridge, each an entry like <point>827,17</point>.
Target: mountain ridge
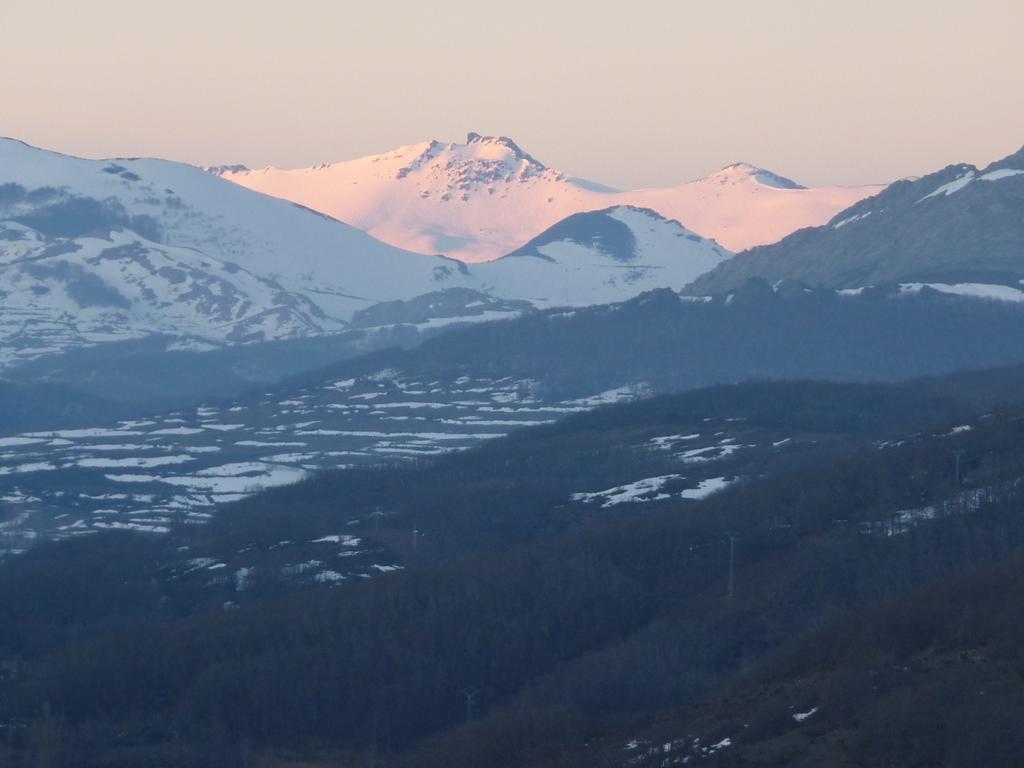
<point>485,198</point>
<point>959,226</point>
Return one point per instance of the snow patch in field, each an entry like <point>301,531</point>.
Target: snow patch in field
<point>120,526</point>
<point>264,444</point>
<point>6,442</point>
<point>33,466</point>
<point>666,442</point>
<point>86,433</point>
<point>648,489</point>
<point>143,463</point>
<point>973,290</point>
<point>801,716</point>
<point>344,539</point>
<point>705,488</point>
<point>701,455</point>
<point>621,394</point>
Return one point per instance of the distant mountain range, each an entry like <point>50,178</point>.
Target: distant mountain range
<point>960,230</point>
<point>483,199</point>
<point>101,251</point>
<point>131,250</point>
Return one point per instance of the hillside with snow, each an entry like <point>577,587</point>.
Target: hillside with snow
<point>485,198</point>
<point>599,257</point>
<point>958,230</point>
<point>95,250</point>
<point>742,206</point>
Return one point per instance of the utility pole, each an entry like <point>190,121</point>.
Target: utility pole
<point>415,537</point>
<point>470,694</point>
<point>730,590</point>
<point>376,515</point>
<point>957,454</point>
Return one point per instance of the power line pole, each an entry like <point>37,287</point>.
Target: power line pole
<point>730,590</point>
<point>376,515</point>
<point>470,694</point>
<point>415,537</point>
<point>957,455</point>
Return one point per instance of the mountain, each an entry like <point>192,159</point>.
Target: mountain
<point>96,251</point>
<point>108,252</point>
<point>742,206</point>
<point>599,257</point>
<point>474,201</point>
<point>485,198</point>
<point>673,342</point>
<point>959,230</point>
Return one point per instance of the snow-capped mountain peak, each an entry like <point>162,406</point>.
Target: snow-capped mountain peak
<point>504,143</point>
<point>454,171</point>
<point>485,198</point>
<point>741,173</point>
<point>475,201</point>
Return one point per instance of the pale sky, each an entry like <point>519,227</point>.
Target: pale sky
<point>626,93</point>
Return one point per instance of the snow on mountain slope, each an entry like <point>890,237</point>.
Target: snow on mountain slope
<point>190,208</point>
<point>601,256</point>
<point>483,199</point>
<point>473,201</point>
<point>960,226</point>
<point>742,206</point>
<point>102,249</point>
<point>89,290</point>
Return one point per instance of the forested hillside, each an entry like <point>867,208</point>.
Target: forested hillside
<point>674,343</point>
<point>549,633</point>
<point>927,678</point>
<point>26,407</point>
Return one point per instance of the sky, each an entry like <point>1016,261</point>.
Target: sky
<point>644,93</point>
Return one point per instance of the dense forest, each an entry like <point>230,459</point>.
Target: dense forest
<point>930,677</point>
<point>519,639</point>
